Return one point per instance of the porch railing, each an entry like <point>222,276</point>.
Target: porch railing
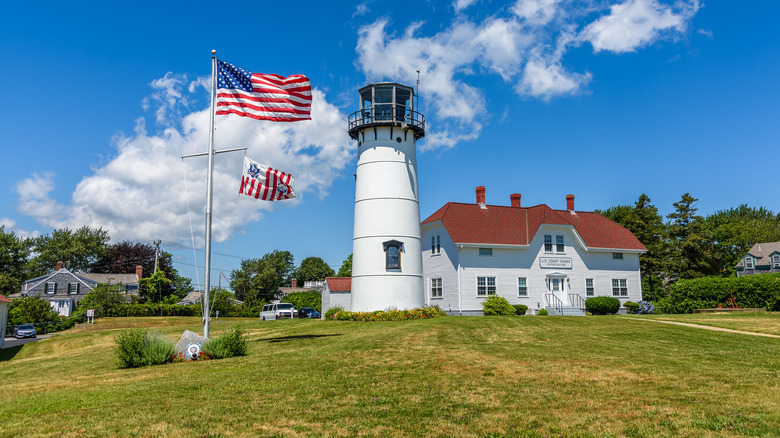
<point>554,302</point>
<point>577,301</point>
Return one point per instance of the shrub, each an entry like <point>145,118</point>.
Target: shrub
<point>753,291</point>
<point>496,305</point>
<point>631,307</point>
<point>520,309</point>
<point>388,315</point>
<point>333,311</point>
<point>229,344</point>
<point>542,312</point>
<point>645,307</point>
<point>137,348</point>
<point>602,305</point>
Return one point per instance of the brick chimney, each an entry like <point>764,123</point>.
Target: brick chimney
<point>139,272</point>
<point>570,202</point>
<point>294,282</point>
<point>515,200</point>
<point>59,265</point>
<point>481,197</point>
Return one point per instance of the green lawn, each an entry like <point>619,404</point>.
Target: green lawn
<point>448,377</point>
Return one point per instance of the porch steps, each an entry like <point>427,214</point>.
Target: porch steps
<point>567,311</point>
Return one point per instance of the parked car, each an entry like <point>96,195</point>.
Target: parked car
<point>309,312</point>
<point>26,331</point>
<point>278,311</point>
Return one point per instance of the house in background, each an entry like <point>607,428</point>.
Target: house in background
<point>536,256</point>
<point>337,292</point>
<point>64,289</point>
<point>763,258</point>
<point>308,286</point>
<point>4,303</point>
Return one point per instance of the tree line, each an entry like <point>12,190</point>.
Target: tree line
<point>686,245</point>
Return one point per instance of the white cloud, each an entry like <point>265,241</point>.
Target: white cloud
<point>635,24</point>
<point>140,193</point>
<point>524,44</point>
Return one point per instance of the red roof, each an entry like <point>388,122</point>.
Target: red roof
<point>4,299</point>
<point>339,284</point>
<point>500,225</point>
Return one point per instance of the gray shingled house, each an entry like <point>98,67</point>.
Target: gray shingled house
<point>763,258</point>
<point>64,289</point>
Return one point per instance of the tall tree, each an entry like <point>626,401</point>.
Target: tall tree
<point>155,287</point>
<point>313,269</point>
<point>687,256</point>
<point>346,268</point>
<point>14,254</point>
<point>260,279</point>
<point>647,225</point>
<point>731,233</point>
<point>123,257</point>
<point>77,250</point>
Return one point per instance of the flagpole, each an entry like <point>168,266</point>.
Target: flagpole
<point>209,197</point>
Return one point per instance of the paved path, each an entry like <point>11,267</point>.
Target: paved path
<point>706,327</point>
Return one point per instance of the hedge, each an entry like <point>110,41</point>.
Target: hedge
<point>602,305</point>
<point>754,291</point>
<point>304,299</point>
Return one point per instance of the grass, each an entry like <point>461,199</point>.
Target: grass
<point>446,377</point>
<point>760,322</point>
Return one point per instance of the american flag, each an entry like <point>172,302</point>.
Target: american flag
<point>263,182</point>
<point>262,96</point>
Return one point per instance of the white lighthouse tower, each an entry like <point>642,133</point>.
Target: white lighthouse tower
<point>386,247</point>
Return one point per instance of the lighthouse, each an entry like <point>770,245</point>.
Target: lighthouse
<point>386,246</point>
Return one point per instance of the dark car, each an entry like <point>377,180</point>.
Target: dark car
<point>308,312</point>
<point>26,331</point>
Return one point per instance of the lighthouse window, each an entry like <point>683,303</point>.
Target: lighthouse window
<point>393,250</point>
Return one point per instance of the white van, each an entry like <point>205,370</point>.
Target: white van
<point>278,311</point>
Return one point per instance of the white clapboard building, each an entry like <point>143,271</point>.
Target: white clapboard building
<point>536,256</point>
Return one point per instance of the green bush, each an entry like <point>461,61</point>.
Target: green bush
<point>520,309</point>
<point>496,305</point>
<point>631,307</point>
<point>304,299</point>
<point>333,311</point>
<point>602,305</point>
<point>753,291</point>
<point>388,315</point>
<point>229,344</point>
<point>137,348</point>
<point>542,312</point>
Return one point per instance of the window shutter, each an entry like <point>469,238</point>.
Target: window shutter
<point>45,288</point>
<point>55,288</point>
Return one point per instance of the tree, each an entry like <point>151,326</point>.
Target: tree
<point>687,255</point>
<point>260,279</point>
<point>77,250</point>
<point>346,268</point>
<point>31,310</point>
<point>102,296</point>
<point>313,269</point>
<point>223,302</point>
<point>155,287</point>
<point>14,254</point>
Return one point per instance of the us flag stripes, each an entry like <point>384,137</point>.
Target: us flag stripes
<point>263,182</point>
<point>262,96</point>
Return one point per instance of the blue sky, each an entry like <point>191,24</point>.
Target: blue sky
<point>602,99</point>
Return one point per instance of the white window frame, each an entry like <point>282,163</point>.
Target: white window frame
<point>50,288</point>
<point>617,256</point>
<point>589,289</point>
<point>436,245</point>
<point>749,263</point>
<point>436,287</point>
<point>522,286</point>
<point>548,245</point>
<point>73,288</point>
<point>619,287</point>
<point>486,287</point>
<point>488,252</point>
<point>559,246</point>
<point>776,261</point>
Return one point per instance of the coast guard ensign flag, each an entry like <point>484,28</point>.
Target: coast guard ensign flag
<point>262,96</point>
<point>263,182</point>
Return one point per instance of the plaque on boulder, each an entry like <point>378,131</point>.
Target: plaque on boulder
<point>190,345</point>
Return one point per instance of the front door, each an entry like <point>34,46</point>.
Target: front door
<point>558,288</point>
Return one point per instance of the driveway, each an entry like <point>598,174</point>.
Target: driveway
<point>13,342</point>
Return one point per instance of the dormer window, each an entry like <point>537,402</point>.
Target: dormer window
<point>393,249</point>
<point>749,263</point>
<point>776,261</point>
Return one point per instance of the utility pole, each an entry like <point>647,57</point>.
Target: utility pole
<point>156,254</point>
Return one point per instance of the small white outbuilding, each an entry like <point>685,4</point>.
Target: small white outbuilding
<point>4,302</point>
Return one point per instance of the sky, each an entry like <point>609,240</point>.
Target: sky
<point>605,100</point>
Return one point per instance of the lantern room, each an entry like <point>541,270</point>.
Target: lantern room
<point>386,104</point>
